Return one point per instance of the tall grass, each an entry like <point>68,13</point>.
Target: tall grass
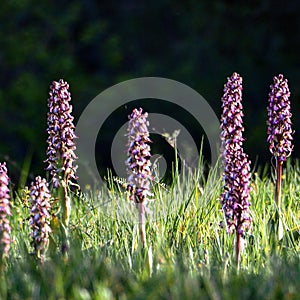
<point>193,257</point>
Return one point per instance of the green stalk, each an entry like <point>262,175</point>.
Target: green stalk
<point>238,249</point>
<point>278,189</point>
<point>278,200</point>
<point>142,223</point>
<point>142,229</point>
<point>66,205</point>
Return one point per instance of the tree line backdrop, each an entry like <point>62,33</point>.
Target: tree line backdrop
<point>96,44</point>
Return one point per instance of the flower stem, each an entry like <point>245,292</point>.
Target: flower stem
<point>66,206</point>
<point>238,249</point>
<point>278,184</point>
<point>65,219</point>
<point>142,223</point>
<point>278,200</point>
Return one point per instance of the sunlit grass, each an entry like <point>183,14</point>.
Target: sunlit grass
<point>193,257</point>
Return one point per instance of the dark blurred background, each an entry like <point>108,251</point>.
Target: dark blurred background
<point>94,45</point>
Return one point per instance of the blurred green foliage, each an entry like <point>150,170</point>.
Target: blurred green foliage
<point>95,44</point>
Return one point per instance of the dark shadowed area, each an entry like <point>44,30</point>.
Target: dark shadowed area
<point>95,44</point>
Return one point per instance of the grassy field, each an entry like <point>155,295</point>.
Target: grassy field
<point>189,256</point>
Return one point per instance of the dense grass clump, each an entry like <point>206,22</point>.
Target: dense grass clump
<point>193,256</point>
